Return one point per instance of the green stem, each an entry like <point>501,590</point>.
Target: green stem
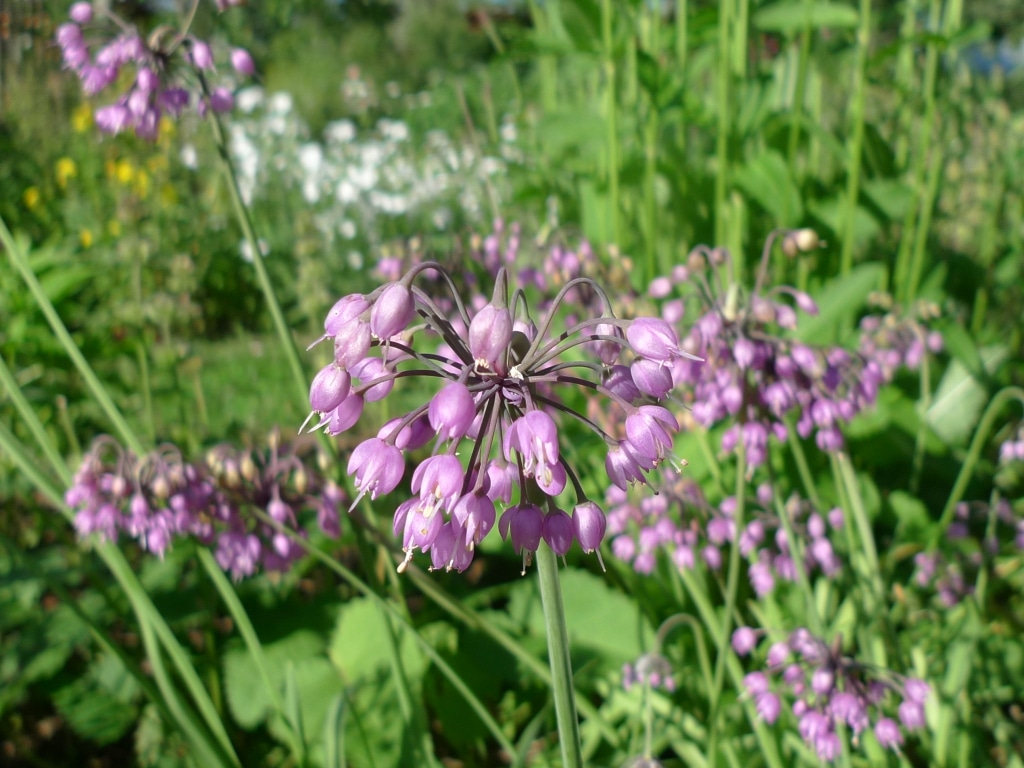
<point>922,154</point>
<point>796,552</point>
<point>856,142</point>
<point>923,404</point>
<point>20,262</point>
<point>860,519</point>
<point>35,426</point>
<point>263,277</point>
<point>973,454</point>
<point>611,118</point>
<point>768,747</point>
<point>731,592</point>
<point>802,468</point>
<point>800,89</point>
<point>724,114</point>
<point>455,608</point>
<point>147,390</point>
<point>558,654</point>
<point>396,615</point>
<point>252,644</point>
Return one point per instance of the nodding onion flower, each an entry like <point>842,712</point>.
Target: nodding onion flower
<point>497,419</point>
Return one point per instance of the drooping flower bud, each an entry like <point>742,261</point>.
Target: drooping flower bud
<point>393,310</point>
<point>451,411</point>
<point>490,333</point>
<point>242,61</point>
<point>330,386</point>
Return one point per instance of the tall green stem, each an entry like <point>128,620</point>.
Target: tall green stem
<point>856,141</point>
<point>731,591</point>
<point>263,277</point>
<point>724,114</point>
<point>21,264</point>
<point>973,454</point>
<point>611,117</point>
<point>558,654</point>
<point>922,155</point>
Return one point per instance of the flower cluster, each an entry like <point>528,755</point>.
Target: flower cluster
<point>977,533</point>
<point>756,376</point>
<point>160,66</point>
<point>362,186</point>
<point>652,670</point>
<point>830,690</point>
<point>680,522</point>
<point>160,497</point>
<point>506,382</point>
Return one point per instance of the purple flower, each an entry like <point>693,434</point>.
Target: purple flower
<point>452,411</point>
<point>490,334</point>
<point>497,417</point>
<point>242,61</point>
<point>81,12</point>
<point>393,310</point>
<point>377,467</point>
<point>744,640</point>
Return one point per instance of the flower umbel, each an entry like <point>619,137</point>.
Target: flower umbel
<point>499,418</point>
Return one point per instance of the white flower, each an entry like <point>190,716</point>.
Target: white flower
<point>245,250</point>
<point>189,157</point>
<point>280,103</point>
<point>247,99</point>
<point>340,132</point>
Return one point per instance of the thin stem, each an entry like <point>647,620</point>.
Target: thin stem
<point>922,154</point>
<point>396,615</point>
<point>291,352</point>
<point>731,591</point>
<point>973,454</point>
<point>611,118</point>
<point>253,646</point>
<point>20,262</point>
<point>722,131</point>
<point>558,655</point>
<point>802,468</point>
<point>856,142</point>
<point>923,404</point>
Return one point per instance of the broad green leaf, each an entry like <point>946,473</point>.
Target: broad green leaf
<point>92,712</point>
<point>891,196</point>
<point>598,618</point>
<point>960,397</point>
<point>765,178</point>
<point>313,684</point>
<point>359,645</point>
<point>832,211</point>
<point>912,514</point>
<point>562,131</point>
<point>792,15</point>
<point>246,694</point>
<point>837,301</point>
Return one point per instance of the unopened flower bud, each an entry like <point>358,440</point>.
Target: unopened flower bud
<point>248,468</point>
<point>242,61</point>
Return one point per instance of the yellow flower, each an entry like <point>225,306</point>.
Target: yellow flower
<point>81,118</point>
<point>65,170</point>
<point>114,228</point>
<point>142,184</point>
<point>124,172</point>
<point>85,238</point>
<point>31,198</point>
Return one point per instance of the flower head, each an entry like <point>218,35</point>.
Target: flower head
<point>500,415</point>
